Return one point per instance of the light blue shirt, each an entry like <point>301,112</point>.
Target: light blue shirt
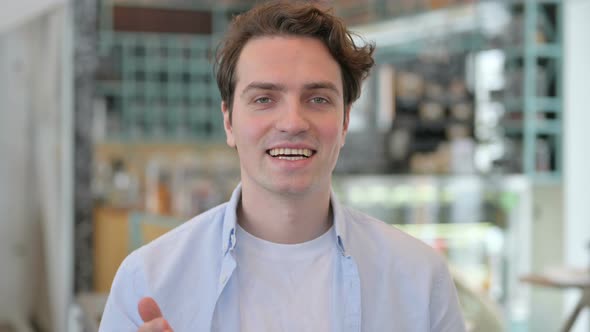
<point>384,280</point>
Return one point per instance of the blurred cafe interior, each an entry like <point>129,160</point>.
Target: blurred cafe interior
<point>469,135</point>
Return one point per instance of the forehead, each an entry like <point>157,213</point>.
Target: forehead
<point>288,60</point>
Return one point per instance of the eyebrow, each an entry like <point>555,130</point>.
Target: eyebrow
<point>281,87</point>
<point>321,85</point>
<point>263,86</point>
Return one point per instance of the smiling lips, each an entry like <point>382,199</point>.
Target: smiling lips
<point>290,154</point>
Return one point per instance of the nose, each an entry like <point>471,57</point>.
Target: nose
<point>292,119</point>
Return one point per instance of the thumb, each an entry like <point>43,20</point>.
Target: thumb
<point>148,309</point>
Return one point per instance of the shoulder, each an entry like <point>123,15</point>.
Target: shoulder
<point>192,232</point>
<point>148,271</point>
<point>379,239</point>
<point>193,241</point>
<point>396,267</point>
<point>184,258</point>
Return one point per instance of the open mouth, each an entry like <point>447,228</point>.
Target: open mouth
<point>290,154</point>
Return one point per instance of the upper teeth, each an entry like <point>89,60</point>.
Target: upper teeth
<point>291,152</point>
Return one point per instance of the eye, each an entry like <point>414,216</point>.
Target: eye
<point>319,100</point>
<point>263,100</point>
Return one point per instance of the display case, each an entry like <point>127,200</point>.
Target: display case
<point>481,225</point>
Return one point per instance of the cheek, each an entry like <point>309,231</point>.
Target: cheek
<point>248,132</point>
<point>332,132</point>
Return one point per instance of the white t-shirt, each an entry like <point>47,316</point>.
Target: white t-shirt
<point>285,287</point>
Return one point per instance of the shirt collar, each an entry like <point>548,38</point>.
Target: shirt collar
<point>339,223</point>
<point>230,221</point>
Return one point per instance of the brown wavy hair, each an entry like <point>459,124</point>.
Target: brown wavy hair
<point>290,18</point>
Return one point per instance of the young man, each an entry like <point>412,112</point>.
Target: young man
<point>283,254</point>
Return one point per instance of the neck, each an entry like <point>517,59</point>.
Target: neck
<point>286,219</point>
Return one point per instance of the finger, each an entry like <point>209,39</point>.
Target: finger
<point>148,309</point>
<point>156,325</point>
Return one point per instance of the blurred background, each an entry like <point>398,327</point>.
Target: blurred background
<point>470,135</point>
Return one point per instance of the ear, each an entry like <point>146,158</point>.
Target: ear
<point>345,124</point>
<point>229,135</point>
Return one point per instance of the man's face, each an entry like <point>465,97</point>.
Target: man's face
<point>289,120</point>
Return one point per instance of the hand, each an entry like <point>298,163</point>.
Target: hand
<point>152,317</point>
